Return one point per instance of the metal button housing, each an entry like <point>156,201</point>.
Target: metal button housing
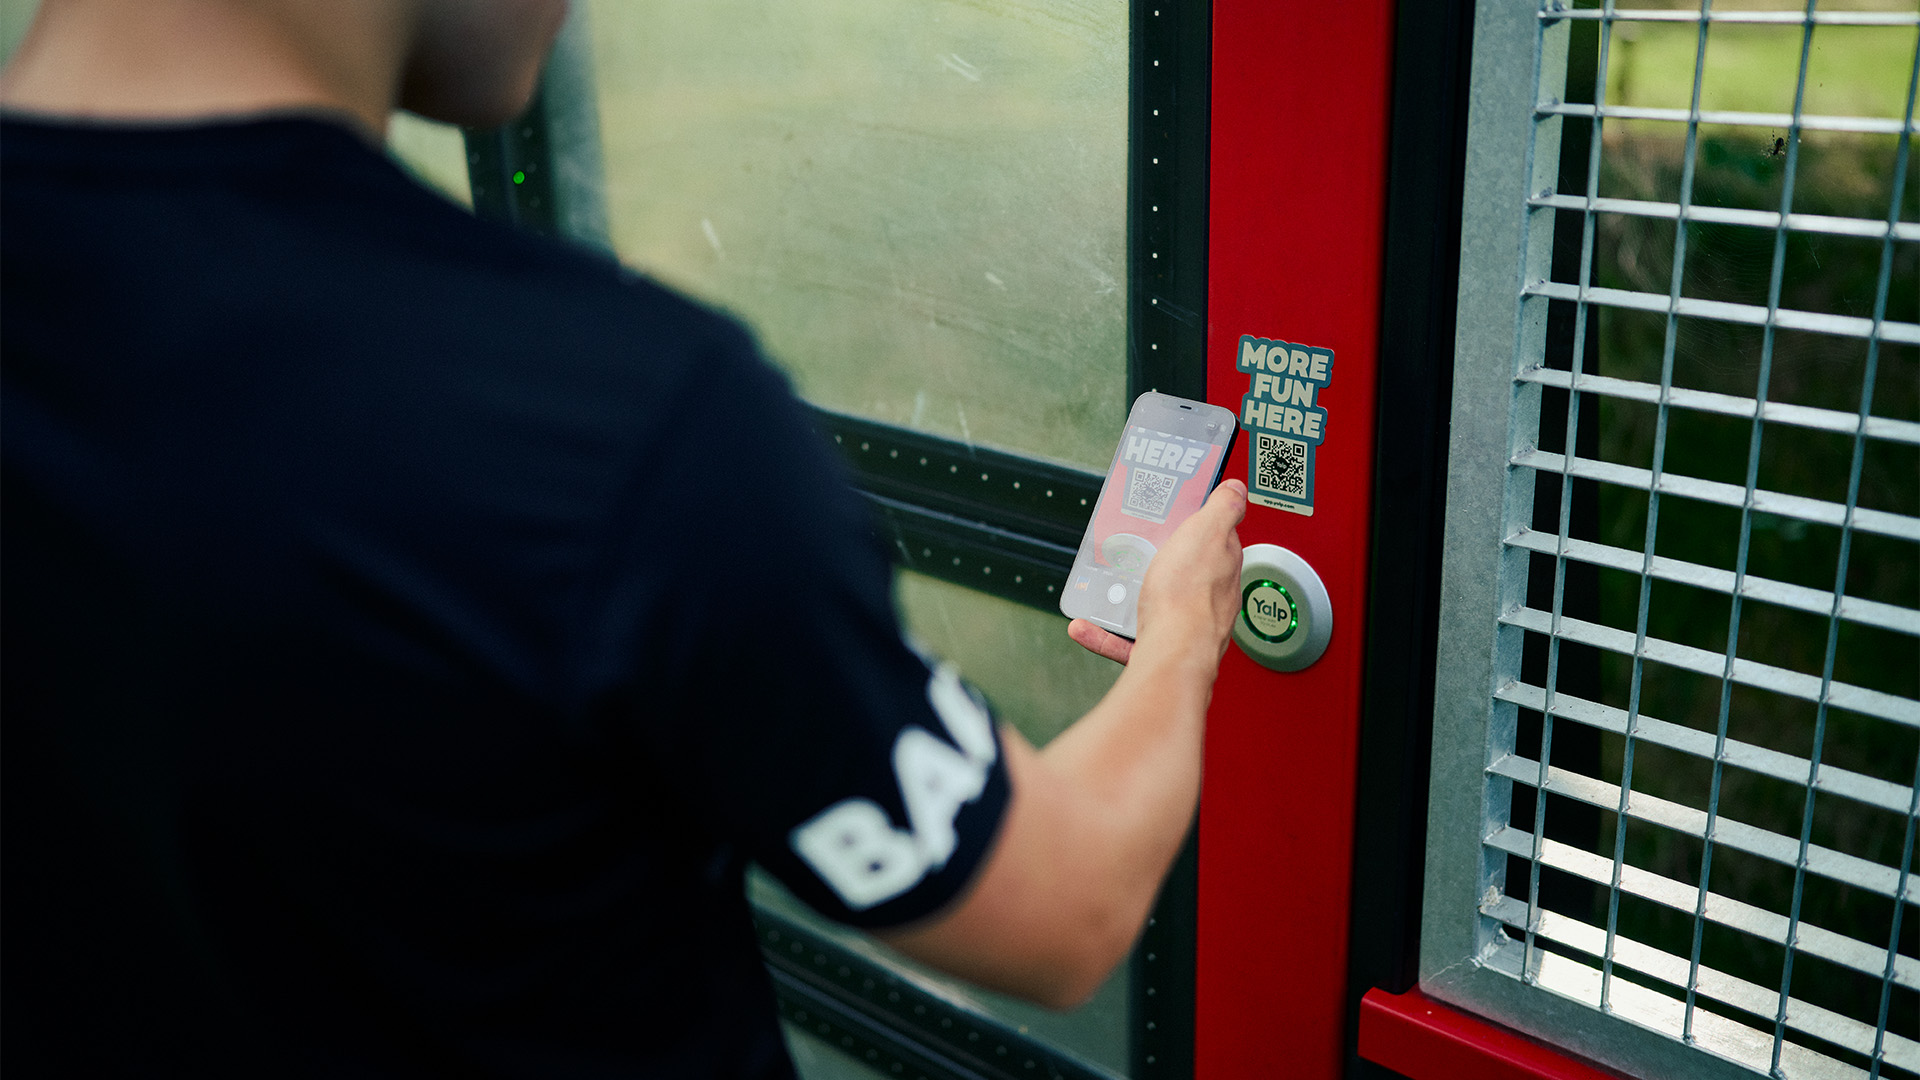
<point>1286,616</point>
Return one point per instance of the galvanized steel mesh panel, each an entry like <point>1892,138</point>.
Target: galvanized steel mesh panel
<point>1678,714</point>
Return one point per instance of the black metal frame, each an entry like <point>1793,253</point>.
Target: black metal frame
<point>1169,144</point>
<point>998,522</point>
<point>521,147</point>
<point>1006,525</point>
<point>891,1023</point>
<point>1426,162</point>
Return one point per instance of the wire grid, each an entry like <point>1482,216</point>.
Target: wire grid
<point>1560,951</point>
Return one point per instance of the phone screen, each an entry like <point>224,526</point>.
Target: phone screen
<point>1170,455</point>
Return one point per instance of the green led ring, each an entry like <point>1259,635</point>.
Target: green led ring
<point>1293,611</point>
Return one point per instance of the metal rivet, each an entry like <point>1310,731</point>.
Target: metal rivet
<point>1016,579</point>
<point>1016,485</point>
<point>956,560</point>
<point>863,446</point>
<point>893,453</point>
<point>986,569</point>
<point>983,476</point>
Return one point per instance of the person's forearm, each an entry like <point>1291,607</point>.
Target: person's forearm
<point>1096,819</point>
<point>1133,767</point>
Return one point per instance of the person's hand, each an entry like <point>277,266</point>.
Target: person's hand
<point>1192,588</point>
<point>1100,641</point>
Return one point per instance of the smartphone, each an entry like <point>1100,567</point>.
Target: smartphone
<point>1169,459</point>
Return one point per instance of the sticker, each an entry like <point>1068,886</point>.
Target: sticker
<point>1283,425</point>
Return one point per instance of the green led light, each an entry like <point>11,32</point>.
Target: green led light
<point>519,177</point>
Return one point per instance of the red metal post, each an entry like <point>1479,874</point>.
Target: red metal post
<point>1298,182</point>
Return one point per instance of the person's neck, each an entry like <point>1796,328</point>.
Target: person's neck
<point>159,60</point>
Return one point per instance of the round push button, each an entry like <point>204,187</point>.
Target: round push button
<point>1269,610</point>
<point>1286,617</point>
<point>1117,593</point>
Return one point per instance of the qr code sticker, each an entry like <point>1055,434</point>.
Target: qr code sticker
<point>1282,467</point>
<point>1149,493</point>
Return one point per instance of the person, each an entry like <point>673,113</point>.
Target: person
<point>413,627</point>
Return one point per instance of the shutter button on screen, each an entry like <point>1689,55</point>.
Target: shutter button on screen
<point>1117,593</point>
<point>1286,617</point>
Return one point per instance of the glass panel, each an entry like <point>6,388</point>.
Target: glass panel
<point>435,153</point>
<point>1040,682</point>
<point>14,18</point>
<point>920,206</point>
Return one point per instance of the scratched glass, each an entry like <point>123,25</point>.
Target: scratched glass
<point>920,207</point>
<point>434,153</point>
<point>14,18</point>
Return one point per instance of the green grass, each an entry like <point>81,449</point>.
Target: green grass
<point>1851,71</point>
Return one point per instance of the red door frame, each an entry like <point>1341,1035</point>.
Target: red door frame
<point>1298,172</point>
<point>1301,109</point>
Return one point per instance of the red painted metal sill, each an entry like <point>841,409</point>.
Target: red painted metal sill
<point>1420,1038</point>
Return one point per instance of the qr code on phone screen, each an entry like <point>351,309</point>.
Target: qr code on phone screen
<point>1149,492</point>
<point>1282,466</point>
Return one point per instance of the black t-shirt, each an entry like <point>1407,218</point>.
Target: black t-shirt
<point>411,629</point>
